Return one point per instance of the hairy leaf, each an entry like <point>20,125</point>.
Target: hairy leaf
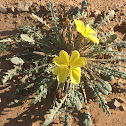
<point>87,118</point>
<point>17,61</point>
<point>26,38</point>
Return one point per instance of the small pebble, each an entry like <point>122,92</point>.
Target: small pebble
<point>24,6</point>
<point>3,9</point>
<point>116,104</point>
<point>97,12</point>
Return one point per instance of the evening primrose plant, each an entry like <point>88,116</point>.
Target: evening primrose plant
<point>71,59</point>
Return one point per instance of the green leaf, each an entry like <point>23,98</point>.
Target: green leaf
<point>54,112</point>
<point>111,38</point>
<point>78,104</point>
<point>6,40</point>
<point>75,100</point>
<point>47,122</point>
<point>40,19</point>
<point>87,118</point>
<point>111,13</point>
<point>105,85</point>
<point>17,61</point>
<point>101,89</point>
<point>26,38</point>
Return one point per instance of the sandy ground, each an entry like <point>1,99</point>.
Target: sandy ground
<point>23,115</point>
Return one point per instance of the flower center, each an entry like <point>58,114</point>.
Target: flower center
<point>68,66</point>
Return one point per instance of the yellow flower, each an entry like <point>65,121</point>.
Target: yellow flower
<point>65,65</point>
<point>86,32</point>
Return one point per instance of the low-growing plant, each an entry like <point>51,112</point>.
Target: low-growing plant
<point>74,58</point>
<point>2,47</point>
<point>3,44</point>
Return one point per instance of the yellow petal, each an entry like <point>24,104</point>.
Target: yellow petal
<point>84,34</point>
<point>59,61</point>
<point>62,73</point>
<point>64,55</point>
<point>80,26</point>
<point>62,59</point>
<point>90,30</point>
<point>94,38</point>
<point>74,56</point>
<point>76,60</point>
<point>75,75</point>
<point>80,62</point>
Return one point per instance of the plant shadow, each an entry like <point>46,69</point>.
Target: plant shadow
<point>24,118</point>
